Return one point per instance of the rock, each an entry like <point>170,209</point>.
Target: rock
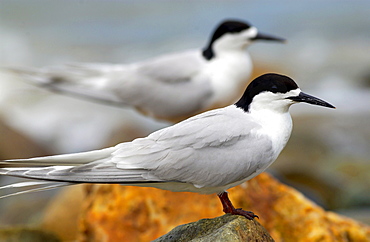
<point>119,213</point>
<point>227,228</point>
<point>26,235</point>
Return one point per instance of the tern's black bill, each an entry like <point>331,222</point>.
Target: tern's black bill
<point>261,36</point>
<point>303,97</point>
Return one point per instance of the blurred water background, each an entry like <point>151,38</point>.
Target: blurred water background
<point>327,53</point>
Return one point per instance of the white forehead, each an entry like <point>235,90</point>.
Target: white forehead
<point>266,95</point>
<point>293,93</point>
<point>250,32</point>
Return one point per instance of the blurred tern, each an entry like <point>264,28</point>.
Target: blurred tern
<point>172,87</point>
<point>208,153</point>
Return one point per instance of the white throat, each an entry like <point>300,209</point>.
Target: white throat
<point>271,111</point>
<point>278,126</point>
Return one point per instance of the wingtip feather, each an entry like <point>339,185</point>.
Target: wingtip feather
<point>32,186</point>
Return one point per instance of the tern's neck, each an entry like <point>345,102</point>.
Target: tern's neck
<point>277,125</point>
<point>220,49</point>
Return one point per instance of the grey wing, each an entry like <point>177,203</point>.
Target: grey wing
<point>209,150</point>
<point>173,68</point>
<point>169,87</point>
<point>165,87</point>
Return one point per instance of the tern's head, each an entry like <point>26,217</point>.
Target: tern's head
<point>234,35</point>
<point>275,92</point>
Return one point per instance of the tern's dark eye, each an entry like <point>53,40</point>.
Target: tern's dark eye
<point>274,89</point>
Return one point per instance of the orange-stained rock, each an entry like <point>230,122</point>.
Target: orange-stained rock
<point>118,213</point>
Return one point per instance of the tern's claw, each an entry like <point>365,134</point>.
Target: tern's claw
<point>248,214</point>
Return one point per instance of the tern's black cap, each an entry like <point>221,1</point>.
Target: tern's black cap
<point>270,82</point>
<point>227,26</point>
<point>276,83</point>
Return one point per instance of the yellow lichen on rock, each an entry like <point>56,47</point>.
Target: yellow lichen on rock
<point>118,213</point>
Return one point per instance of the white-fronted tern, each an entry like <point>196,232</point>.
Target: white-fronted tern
<point>171,87</point>
<point>208,153</point>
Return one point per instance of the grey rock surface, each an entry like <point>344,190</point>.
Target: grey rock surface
<point>227,228</point>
